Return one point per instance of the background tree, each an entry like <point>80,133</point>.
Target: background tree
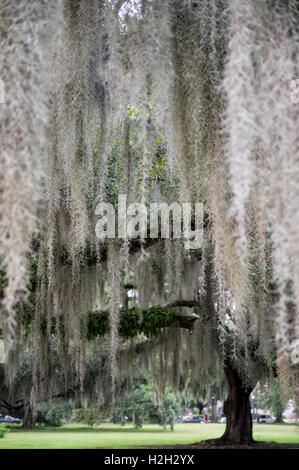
<point>269,398</point>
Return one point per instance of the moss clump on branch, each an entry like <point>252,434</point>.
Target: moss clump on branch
<point>133,321</point>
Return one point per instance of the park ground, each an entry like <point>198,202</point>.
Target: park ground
<point>113,436</point>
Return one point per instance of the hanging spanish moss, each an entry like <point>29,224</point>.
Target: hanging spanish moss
<point>263,143</point>
<point>169,101</point>
<point>26,54</point>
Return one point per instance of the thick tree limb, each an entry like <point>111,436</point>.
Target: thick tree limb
<point>185,321</point>
<point>183,303</point>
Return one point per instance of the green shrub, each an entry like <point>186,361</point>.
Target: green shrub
<point>54,415</point>
<point>88,415</point>
<point>3,430</point>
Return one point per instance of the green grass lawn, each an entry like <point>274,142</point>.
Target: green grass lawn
<point>114,436</point>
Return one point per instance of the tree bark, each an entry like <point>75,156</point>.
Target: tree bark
<point>214,409</point>
<point>237,409</point>
<point>28,420</point>
<point>278,417</point>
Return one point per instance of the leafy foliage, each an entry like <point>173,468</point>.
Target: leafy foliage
<point>3,430</point>
<point>88,415</point>
<point>140,405</point>
<point>132,322</point>
<point>54,414</point>
<point>269,397</point>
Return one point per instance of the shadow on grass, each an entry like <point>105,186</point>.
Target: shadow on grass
<point>95,430</point>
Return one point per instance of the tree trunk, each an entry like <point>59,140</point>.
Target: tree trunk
<point>28,420</point>
<point>214,409</point>
<point>237,410</point>
<point>278,417</point>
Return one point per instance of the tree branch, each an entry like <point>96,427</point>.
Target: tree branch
<point>184,303</point>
